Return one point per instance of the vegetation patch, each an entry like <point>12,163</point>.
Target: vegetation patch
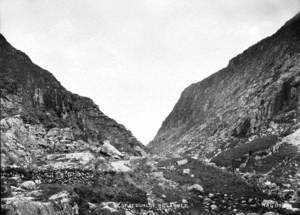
<point>271,161</point>
<point>228,158</point>
<point>213,179</point>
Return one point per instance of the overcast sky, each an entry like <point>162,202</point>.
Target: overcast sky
<point>134,57</point>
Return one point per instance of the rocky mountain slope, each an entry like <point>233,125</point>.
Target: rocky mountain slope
<point>257,94</point>
<point>246,117</point>
<point>38,98</point>
<point>52,138</point>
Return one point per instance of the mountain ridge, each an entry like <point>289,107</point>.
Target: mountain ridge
<point>257,60</point>
<point>43,99</point>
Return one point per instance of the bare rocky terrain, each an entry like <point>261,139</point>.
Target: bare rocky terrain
<point>230,145</point>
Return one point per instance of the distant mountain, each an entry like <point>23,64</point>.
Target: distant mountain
<point>256,95</point>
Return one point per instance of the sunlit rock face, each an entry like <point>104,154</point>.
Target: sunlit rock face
<point>257,94</point>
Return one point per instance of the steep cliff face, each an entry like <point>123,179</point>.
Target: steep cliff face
<point>38,98</point>
<point>257,94</point>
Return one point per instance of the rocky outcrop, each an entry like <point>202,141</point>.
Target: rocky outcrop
<point>257,94</point>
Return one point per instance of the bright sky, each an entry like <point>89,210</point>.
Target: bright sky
<point>135,57</point>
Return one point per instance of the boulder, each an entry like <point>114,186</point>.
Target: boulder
<point>289,206</point>
<point>293,138</point>
<point>186,171</point>
<point>196,187</point>
<point>28,185</point>
<point>184,201</point>
<point>121,166</point>
<point>214,207</point>
<point>110,149</point>
<point>182,162</point>
<point>211,195</point>
<point>60,196</point>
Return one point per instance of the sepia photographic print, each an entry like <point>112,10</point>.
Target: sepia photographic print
<point>150,107</point>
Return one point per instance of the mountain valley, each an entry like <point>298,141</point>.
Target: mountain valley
<point>231,145</point>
